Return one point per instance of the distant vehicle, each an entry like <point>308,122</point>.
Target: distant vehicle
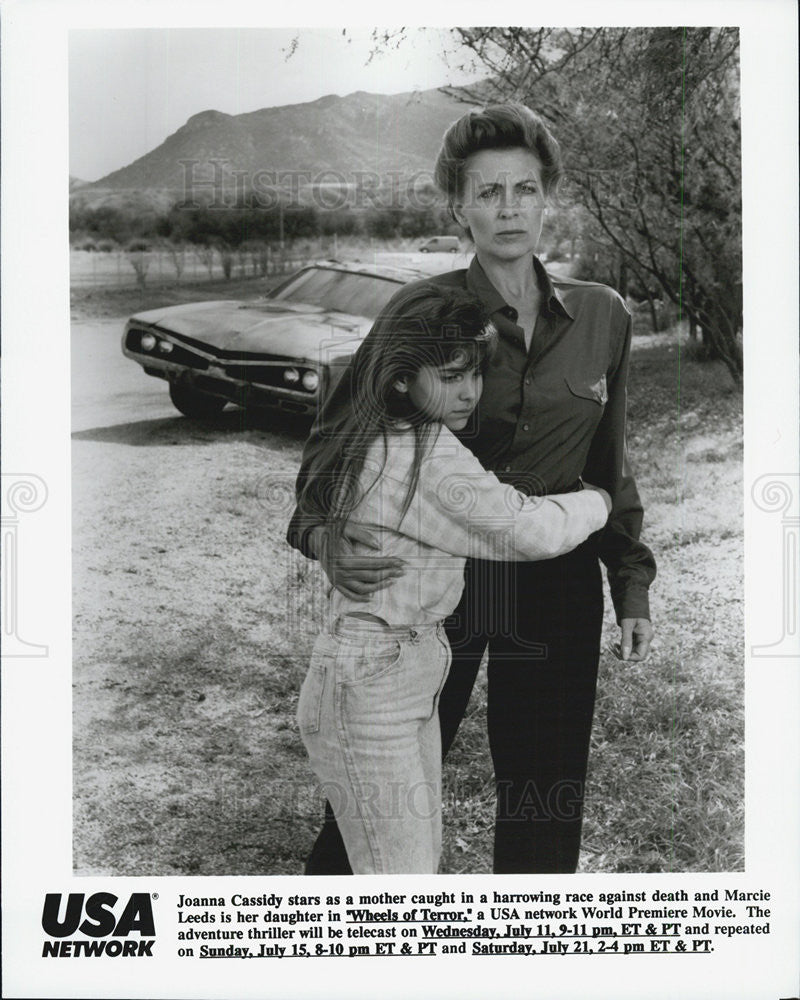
<point>284,350</point>
<point>440,244</point>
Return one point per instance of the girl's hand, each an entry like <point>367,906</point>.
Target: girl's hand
<point>355,576</point>
<point>602,492</point>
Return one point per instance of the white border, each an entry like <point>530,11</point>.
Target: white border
<point>36,692</point>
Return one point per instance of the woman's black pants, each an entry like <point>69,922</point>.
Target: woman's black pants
<point>542,622</point>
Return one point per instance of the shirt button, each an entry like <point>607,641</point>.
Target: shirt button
<point>527,381</point>
<point>526,427</point>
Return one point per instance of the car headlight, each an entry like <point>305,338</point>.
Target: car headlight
<point>147,341</point>
<point>310,381</point>
<point>165,346</point>
<point>291,376</point>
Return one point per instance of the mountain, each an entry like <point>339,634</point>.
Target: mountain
<point>330,140</point>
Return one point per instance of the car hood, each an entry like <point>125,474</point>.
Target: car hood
<point>280,329</point>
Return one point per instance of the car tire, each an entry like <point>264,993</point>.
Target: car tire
<point>453,249</point>
<point>423,250</point>
<point>192,403</point>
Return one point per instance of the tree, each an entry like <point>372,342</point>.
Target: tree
<point>648,120</point>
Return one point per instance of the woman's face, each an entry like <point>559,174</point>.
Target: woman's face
<point>502,202</point>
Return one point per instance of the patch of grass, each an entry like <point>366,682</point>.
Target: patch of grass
<point>99,303</point>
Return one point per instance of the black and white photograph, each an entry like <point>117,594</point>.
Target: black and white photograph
<point>412,493</point>
<point>246,257</point>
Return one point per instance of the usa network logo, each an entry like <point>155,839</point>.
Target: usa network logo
<point>105,926</point>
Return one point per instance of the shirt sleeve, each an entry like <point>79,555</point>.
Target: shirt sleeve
<point>464,510</point>
<point>630,564</point>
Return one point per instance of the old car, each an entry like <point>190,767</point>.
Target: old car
<point>284,350</point>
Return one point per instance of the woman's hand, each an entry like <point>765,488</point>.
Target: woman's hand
<point>355,576</point>
<point>635,639</point>
<point>603,493</point>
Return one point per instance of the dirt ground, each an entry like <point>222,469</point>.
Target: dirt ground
<point>193,621</point>
<point>182,588</point>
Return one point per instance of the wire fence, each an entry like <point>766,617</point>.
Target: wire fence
<point>130,268</point>
<point>161,266</point>
<point>111,266</point>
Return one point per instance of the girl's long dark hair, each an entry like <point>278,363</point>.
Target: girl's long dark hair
<point>424,324</point>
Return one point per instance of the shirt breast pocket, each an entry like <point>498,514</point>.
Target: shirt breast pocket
<point>587,387</point>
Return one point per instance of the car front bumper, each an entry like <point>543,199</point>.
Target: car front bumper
<point>245,382</point>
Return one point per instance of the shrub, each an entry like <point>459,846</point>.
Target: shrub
<point>591,267</point>
<point>106,246</point>
<point>697,350</point>
<point>140,265</point>
<point>340,222</point>
<point>205,254</point>
<point>89,245</point>
<point>226,257</point>
<point>177,256</point>
<point>556,253</point>
<point>137,246</point>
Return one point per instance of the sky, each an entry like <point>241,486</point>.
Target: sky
<point>131,88</point>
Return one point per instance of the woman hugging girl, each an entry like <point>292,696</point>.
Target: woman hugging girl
<point>392,477</point>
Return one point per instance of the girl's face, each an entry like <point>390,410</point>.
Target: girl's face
<point>446,394</point>
<point>502,202</point>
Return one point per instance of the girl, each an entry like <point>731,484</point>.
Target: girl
<point>394,466</point>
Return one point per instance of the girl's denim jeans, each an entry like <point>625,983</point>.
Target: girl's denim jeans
<point>368,715</point>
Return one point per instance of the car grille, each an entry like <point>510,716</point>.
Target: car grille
<point>271,375</point>
<point>182,353</point>
<point>179,355</point>
<point>188,358</point>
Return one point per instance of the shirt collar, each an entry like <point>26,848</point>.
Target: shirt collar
<point>480,285</point>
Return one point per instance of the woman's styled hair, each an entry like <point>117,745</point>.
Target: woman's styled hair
<point>424,324</point>
<point>497,126</point>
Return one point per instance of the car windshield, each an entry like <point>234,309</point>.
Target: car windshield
<point>340,291</point>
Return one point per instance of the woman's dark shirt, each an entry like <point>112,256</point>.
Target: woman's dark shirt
<point>550,415</point>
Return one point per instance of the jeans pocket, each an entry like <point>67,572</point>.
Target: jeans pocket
<point>309,705</point>
<point>367,661</point>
